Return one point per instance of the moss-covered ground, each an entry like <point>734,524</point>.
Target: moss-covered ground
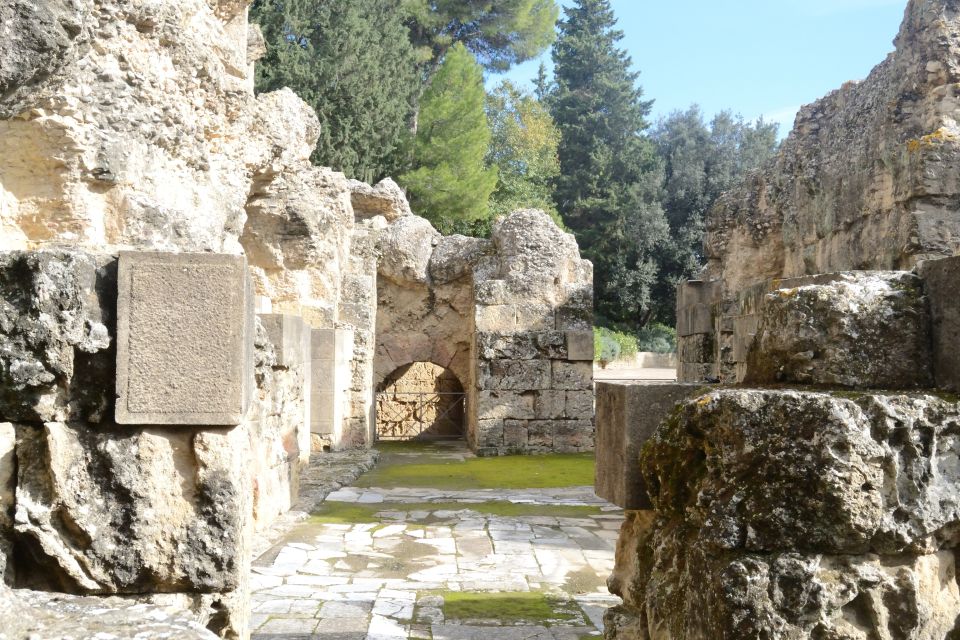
<point>351,513</point>
<point>535,607</point>
<point>417,465</point>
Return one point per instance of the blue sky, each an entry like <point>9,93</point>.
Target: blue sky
<point>755,57</point>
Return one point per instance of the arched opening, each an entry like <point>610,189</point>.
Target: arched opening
<point>420,401</point>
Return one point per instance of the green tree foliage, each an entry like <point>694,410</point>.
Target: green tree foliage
<point>608,192</point>
<point>701,161</point>
<point>523,148</point>
<point>451,181</point>
<point>353,62</point>
<point>500,33</point>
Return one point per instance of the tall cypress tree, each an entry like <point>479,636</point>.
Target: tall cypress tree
<point>609,188</point>
<point>353,62</point>
<point>451,181</point>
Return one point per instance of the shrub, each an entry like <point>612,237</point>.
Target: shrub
<point>657,338</point>
<point>610,345</point>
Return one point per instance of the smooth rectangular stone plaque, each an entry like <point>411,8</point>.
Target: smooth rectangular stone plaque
<point>628,414</point>
<point>184,339</point>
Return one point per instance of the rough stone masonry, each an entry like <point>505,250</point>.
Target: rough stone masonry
<point>815,494</point>
<point>188,307</point>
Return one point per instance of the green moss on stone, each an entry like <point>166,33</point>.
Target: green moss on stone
<point>350,513</point>
<point>505,472</point>
<point>496,609</point>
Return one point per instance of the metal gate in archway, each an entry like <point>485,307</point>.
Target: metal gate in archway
<point>411,415</point>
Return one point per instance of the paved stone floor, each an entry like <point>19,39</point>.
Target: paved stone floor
<point>386,579</point>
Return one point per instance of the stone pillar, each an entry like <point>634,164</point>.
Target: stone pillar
<point>697,347</point>
<point>291,338</point>
<point>330,356</point>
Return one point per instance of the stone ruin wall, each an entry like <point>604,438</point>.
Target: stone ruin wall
<point>868,178</point>
<point>812,494</point>
<point>130,133</point>
<point>511,317</point>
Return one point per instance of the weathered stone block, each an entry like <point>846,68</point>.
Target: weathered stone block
<point>515,375</point>
<point>579,405</point>
<point>515,435</point>
<point>862,330</point>
<point>574,318</point>
<point>697,349</point>
<point>572,375</point>
<point>56,326</point>
<point>489,434</point>
<point>184,342</point>
<point>571,436</point>
<point>580,345</point>
<point>695,319</point>
<point>628,414</point>
<point>524,345</point>
<point>505,404</point>
<point>837,457</point>
<point>940,278</point>
<point>491,292</point>
<point>540,434</point>
<point>121,510</point>
<point>496,318</point>
<point>550,404</point>
<point>290,336</point>
<point>331,378</point>
<point>535,317</point>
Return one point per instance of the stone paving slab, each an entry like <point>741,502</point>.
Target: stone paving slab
<point>385,580</point>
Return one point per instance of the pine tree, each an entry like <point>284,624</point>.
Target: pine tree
<point>608,192</point>
<point>500,34</point>
<point>451,181</point>
<point>353,62</point>
<point>523,148</point>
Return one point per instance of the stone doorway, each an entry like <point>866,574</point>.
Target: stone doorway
<point>420,401</point>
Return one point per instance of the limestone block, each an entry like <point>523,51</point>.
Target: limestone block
<point>550,404</point>
<point>405,250</point>
<point>491,292</point>
<point>695,319</point>
<point>331,352</point>
<point>866,473</point>
<point>122,510</point>
<point>505,404</point>
<point>685,591</point>
<point>56,320</point>
<point>580,345</point>
<point>515,436</point>
<point>540,435</point>
<point>574,318</point>
<point>496,318</point>
<point>289,335</point>
<point>628,414</point>
<point>863,330</point>
<point>522,345</point>
<point>579,405</point>
<point>8,485</point>
<point>489,434</point>
<point>535,317</point>
<point>572,436</point>
<point>572,375</point>
<point>455,257</point>
<point>385,199</point>
<point>940,279</point>
<point>184,339</point>
<point>514,375</point>
<point>696,348</point>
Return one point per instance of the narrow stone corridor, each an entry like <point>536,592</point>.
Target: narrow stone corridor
<point>444,562</point>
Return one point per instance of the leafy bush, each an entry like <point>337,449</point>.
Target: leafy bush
<point>657,338</point>
<point>610,345</point>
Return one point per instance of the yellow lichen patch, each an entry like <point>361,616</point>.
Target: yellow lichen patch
<point>936,138</point>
